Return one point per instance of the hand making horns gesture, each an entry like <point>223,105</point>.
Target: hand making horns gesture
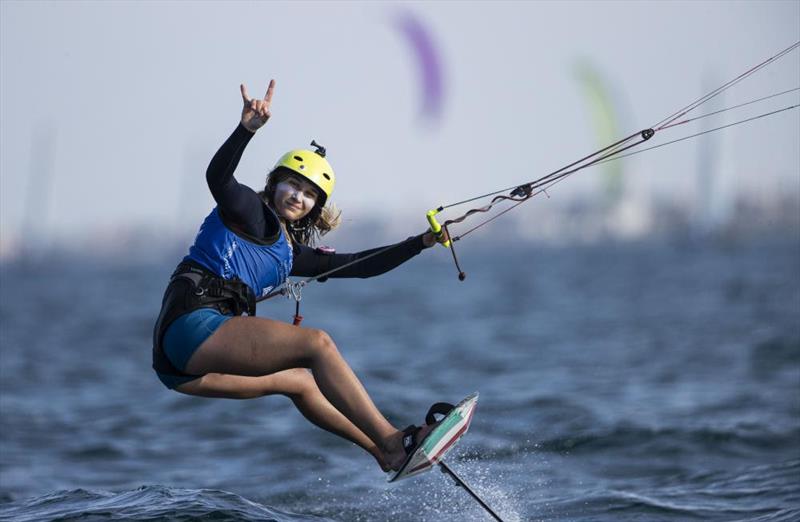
<point>255,112</point>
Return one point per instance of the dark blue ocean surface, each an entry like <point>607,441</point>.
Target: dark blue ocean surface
<point>618,382</point>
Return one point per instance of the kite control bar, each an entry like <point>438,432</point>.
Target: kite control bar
<point>436,228</point>
<point>438,232</point>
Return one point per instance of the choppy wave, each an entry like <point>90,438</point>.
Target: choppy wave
<point>618,382</point>
<point>614,505</point>
<point>147,503</point>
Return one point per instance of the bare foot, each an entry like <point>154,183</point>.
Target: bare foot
<point>395,455</point>
<point>378,455</point>
<point>385,467</point>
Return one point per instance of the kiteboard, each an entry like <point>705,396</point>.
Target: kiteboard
<point>439,441</point>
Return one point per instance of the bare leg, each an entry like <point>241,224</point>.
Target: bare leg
<point>299,386</point>
<point>254,346</point>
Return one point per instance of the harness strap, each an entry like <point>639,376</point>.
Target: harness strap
<point>297,317</point>
<point>190,288</point>
<point>209,288</point>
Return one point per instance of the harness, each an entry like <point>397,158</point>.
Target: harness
<point>190,288</point>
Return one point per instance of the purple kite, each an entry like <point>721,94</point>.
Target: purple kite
<point>429,63</point>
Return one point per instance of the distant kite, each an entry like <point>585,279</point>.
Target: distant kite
<point>430,69</point>
<point>604,120</point>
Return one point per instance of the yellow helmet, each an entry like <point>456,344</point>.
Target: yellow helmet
<point>312,166</point>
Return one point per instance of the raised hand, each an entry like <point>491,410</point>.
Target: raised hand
<point>255,112</point>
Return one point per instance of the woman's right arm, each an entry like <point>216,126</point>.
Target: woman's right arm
<point>238,203</point>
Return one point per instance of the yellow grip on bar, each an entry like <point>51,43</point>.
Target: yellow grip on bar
<point>436,228</point>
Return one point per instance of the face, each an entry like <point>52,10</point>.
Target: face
<point>294,198</point>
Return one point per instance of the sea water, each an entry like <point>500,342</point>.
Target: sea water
<point>636,381</point>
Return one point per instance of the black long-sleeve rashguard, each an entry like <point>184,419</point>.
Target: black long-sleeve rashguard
<point>243,210</point>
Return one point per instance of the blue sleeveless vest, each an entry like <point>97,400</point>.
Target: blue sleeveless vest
<point>219,249</point>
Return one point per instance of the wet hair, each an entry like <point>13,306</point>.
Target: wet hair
<point>318,222</point>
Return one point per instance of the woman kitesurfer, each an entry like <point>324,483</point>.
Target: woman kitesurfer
<point>246,247</point>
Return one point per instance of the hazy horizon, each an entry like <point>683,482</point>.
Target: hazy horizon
<point>111,111</point>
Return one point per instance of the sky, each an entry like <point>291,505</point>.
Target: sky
<point>110,111</point>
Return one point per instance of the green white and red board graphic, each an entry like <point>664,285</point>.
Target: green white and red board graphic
<point>440,440</point>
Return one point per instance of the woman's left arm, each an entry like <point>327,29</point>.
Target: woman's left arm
<point>310,262</point>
